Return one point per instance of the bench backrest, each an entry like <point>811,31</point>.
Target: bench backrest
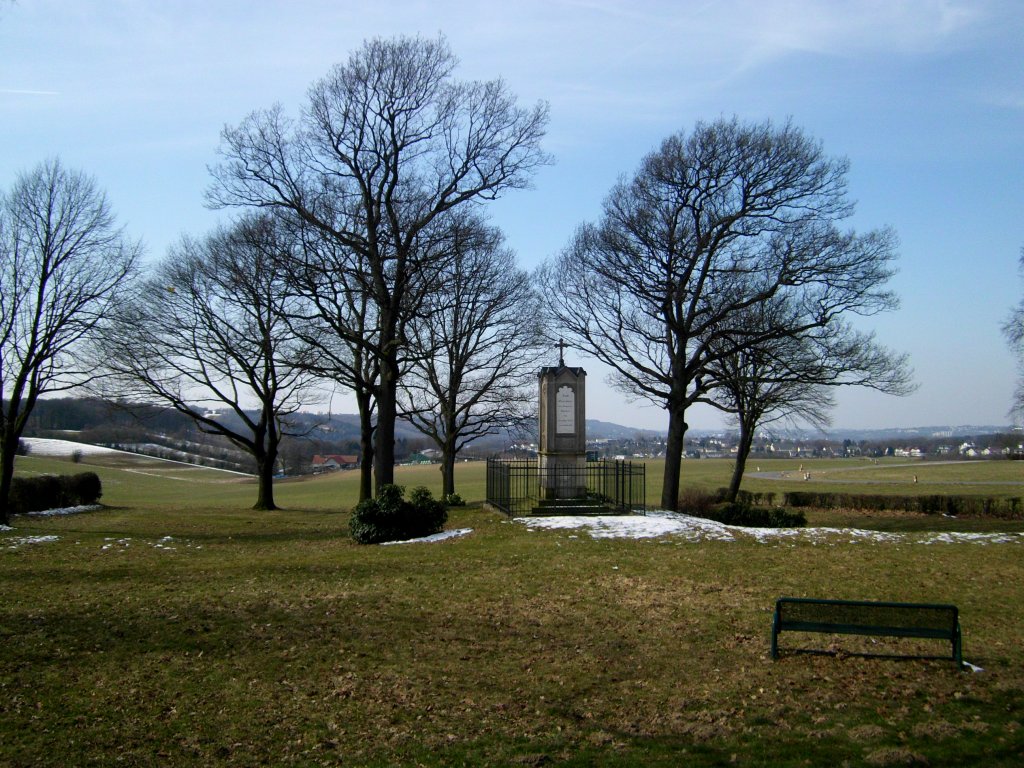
<point>853,614</point>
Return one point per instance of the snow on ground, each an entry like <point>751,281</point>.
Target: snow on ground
<point>66,510</point>
<point>17,542</point>
<point>167,543</point>
<point>433,538</point>
<point>44,446</point>
<point>660,524</point>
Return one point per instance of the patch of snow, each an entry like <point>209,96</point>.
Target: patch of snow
<point>44,446</point>
<point>650,526</point>
<point>443,535</point>
<point>952,537</point>
<point>19,541</point>
<point>660,524</point>
<point>66,510</point>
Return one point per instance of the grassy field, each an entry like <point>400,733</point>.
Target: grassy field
<point>177,627</point>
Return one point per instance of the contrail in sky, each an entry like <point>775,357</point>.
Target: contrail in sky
<point>28,92</point>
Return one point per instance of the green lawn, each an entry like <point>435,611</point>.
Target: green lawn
<point>251,638</point>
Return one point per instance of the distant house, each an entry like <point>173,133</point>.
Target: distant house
<point>333,461</point>
<point>909,453</point>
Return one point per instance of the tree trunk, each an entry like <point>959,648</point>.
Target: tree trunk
<point>447,472</point>
<point>673,458</point>
<point>265,461</point>
<point>7,453</point>
<point>365,403</point>
<point>742,452</point>
<point>387,415</point>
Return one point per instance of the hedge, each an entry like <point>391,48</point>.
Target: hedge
<point>967,506</point>
<point>42,492</point>
<point>745,515</point>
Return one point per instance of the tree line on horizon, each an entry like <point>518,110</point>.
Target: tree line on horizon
<point>358,254</point>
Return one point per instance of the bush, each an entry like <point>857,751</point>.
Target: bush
<point>389,517</point>
<point>738,513</point>
<point>454,500</point>
<point>697,502</point>
<point>83,488</point>
<point>37,494</point>
<point>965,506</point>
<point>23,448</point>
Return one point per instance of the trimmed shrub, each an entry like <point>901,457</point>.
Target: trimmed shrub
<point>389,517</point>
<point>965,506</point>
<point>42,492</point>
<point>696,501</point>
<point>454,500</point>
<point>83,488</point>
<point>745,515</point>
<point>35,494</point>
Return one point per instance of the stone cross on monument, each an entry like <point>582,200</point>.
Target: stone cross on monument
<point>563,430</point>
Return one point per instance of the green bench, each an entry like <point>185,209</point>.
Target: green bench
<point>864,617</point>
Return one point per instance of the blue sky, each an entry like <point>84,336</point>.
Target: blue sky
<point>925,97</point>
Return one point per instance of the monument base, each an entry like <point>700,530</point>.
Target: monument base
<point>563,476</point>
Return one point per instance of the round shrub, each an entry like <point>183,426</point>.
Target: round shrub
<point>83,488</point>
<point>389,517</point>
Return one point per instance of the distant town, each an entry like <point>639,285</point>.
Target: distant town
<point>329,442</point>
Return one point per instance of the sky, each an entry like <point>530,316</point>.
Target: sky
<point>924,97</point>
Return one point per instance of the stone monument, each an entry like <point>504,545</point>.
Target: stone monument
<point>563,430</point>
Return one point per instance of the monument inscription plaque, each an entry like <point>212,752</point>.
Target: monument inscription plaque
<point>565,410</point>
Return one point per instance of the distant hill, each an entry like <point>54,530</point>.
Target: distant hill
<point>909,433</point>
<point>597,430</point>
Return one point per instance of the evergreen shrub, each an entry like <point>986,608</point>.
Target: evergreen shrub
<point>389,517</point>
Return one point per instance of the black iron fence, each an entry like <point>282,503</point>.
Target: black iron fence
<point>514,485</point>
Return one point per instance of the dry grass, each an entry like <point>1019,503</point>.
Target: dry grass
<point>270,638</point>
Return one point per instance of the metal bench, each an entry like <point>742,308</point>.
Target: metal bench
<point>865,617</point>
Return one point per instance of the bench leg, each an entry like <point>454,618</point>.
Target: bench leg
<point>775,636</point>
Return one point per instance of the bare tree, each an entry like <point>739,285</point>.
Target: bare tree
<point>388,142</point>
<point>713,223</point>
<point>479,338</point>
<point>335,314</point>
<point>63,265</point>
<point>791,377</point>
<point>758,389</point>
<point>208,335</point>
<point>1013,329</point>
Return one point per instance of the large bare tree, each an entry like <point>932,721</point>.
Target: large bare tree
<point>334,312</point>
<point>1013,329</point>
<point>479,341</point>
<point>63,264</point>
<point>713,223</point>
<point>793,377</point>
<point>208,334</point>
<point>388,142</point>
